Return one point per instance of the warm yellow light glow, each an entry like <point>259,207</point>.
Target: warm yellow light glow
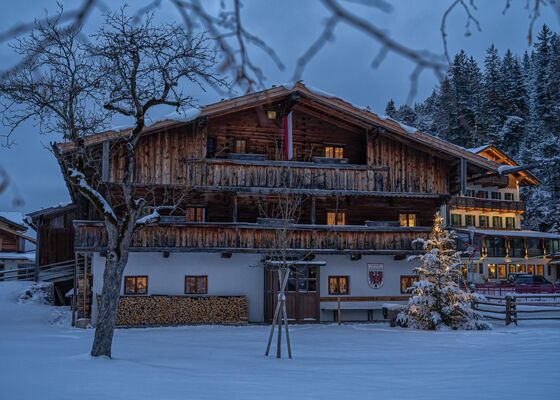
<point>271,114</point>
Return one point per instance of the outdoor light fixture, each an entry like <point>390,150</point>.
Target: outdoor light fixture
<point>271,114</point>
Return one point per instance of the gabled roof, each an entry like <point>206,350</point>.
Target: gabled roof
<point>493,153</point>
<point>359,116</point>
<point>13,219</point>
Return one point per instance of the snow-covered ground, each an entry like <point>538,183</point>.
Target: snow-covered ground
<point>43,357</point>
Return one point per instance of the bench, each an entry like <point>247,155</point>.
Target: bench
<point>369,306</point>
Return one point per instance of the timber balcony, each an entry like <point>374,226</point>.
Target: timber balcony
<point>223,174</point>
<point>256,238</point>
<point>487,204</point>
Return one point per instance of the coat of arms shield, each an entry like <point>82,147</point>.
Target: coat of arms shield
<point>375,275</point>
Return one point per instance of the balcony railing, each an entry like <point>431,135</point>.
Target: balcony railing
<point>487,204</point>
<point>277,175</point>
<point>221,237</point>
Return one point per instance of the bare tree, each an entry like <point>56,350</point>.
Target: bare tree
<point>73,88</point>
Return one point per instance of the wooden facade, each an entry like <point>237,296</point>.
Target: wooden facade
<point>209,237</point>
<point>230,161</point>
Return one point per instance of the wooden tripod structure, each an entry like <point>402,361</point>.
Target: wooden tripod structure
<point>280,316</point>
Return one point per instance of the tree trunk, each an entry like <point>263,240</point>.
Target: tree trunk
<point>112,280</point>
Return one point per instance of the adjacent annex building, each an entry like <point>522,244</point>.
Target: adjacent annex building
<point>489,217</point>
<point>365,185</point>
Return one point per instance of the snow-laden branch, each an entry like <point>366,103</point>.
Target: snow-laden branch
<point>152,218</point>
<point>79,179</point>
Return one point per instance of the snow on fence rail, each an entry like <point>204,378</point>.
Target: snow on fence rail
<point>55,272</point>
<point>520,307</point>
<point>506,289</point>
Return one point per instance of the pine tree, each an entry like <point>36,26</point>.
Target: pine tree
<point>391,110</point>
<point>438,301</point>
<point>492,102</point>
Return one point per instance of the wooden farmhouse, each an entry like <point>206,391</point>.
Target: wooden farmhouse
<point>364,187</point>
<point>17,257</point>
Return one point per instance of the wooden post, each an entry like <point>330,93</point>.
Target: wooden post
<point>508,310</point>
<point>338,310</point>
<point>463,177</point>
<point>105,161</point>
<point>74,297</point>
<point>313,211</point>
<point>234,217</point>
<point>278,319</point>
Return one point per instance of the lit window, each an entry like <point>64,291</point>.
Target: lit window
<point>540,270</point>
<point>334,152</point>
<point>195,214</point>
<point>271,114</point>
<point>407,283</point>
<point>336,218</point>
<point>240,146</point>
<point>407,219</point>
<point>481,194</point>
<point>531,269</point>
<point>521,268</point>
<point>196,284</point>
<point>502,271</point>
<point>135,285</point>
<point>339,285</point>
<point>492,271</point>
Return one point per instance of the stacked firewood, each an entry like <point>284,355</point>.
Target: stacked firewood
<point>181,310</point>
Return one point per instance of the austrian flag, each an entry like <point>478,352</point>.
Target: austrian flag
<point>288,138</point>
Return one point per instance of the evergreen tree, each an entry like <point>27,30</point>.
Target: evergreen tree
<point>492,103</point>
<point>438,301</point>
<point>391,110</point>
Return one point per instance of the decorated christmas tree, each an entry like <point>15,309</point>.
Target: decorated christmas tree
<point>438,301</point>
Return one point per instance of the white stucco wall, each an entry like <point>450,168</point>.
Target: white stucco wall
<point>359,286</point>
<point>235,276</point>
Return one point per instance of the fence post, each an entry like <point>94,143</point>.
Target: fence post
<point>338,317</point>
<point>514,310</point>
<point>508,310</point>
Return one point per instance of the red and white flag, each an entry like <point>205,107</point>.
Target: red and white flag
<point>288,138</point>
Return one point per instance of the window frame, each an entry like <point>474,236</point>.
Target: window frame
<point>135,291</point>
<point>199,213</point>
<point>338,278</point>
<point>336,214</point>
<point>414,279</point>
<point>333,151</point>
<point>484,218</point>
<point>240,146</point>
<point>408,216</point>
<point>497,218</point>
<point>196,279</point>
<point>470,217</point>
<point>456,218</point>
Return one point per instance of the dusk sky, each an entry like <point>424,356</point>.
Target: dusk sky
<point>290,26</point>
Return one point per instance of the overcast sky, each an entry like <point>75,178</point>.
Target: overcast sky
<point>342,68</point>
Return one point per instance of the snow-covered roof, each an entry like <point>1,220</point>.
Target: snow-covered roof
<point>478,149</point>
<point>46,210</point>
<point>17,256</point>
<point>15,217</point>
<point>513,233</point>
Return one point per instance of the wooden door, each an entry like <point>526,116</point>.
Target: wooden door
<point>302,293</point>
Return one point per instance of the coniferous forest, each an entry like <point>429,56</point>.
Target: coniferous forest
<point>511,101</point>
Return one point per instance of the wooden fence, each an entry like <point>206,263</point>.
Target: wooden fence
<point>506,289</point>
<point>56,272</point>
<point>520,307</point>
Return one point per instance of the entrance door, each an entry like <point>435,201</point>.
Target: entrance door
<point>302,293</point>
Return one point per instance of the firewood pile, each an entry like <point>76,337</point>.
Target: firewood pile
<point>181,310</point>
